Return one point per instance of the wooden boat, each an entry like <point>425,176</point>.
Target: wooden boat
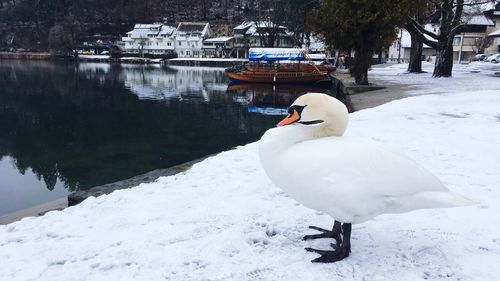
<point>279,73</point>
<point>304,67</point>
<point>290,77</point>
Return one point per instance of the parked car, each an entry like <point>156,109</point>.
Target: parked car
<point>493,58</point>
<point>479,57</point>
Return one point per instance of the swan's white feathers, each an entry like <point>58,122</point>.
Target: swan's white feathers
<point>351,179</point>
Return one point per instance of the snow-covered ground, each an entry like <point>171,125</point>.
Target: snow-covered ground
<point>224,220</point>
<point>466,77</point>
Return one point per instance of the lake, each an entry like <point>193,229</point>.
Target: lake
<point>67,127</point>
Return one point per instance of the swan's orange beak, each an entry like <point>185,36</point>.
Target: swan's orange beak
<point>289,119</point>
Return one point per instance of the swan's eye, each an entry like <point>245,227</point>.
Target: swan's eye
<point>297,108</point>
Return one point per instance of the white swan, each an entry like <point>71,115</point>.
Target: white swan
<point>350,179</point>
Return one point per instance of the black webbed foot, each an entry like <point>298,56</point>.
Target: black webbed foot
<point>334,233</point>
<point>341,249</point>
<point>330,256</point>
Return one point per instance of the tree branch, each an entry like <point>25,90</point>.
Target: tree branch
<point>457,29</point>
<point>474,3</point>
<point>458,14</point>
<point>422,30</point>
<point>411,28</point>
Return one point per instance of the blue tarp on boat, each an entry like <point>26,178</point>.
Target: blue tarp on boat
<point>274,54</point>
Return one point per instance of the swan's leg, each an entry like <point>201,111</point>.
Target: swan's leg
<point>334,233</point>
<point>342,250</point>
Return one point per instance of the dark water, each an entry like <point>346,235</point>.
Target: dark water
<point>67,127</point>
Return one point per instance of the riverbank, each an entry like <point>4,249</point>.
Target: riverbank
<point>28,56</point>
<point>79,196</point>
<point>209,62</point>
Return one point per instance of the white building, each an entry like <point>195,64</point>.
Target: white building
<point>154,39</point>
<point>189,38</point>
<point>219,47</point>
<point>249,34</point>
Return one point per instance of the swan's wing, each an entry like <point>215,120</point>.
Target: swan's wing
<point>353,167</point>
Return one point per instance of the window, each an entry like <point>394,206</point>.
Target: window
<point>470,41</point>
<point>180,43</point>
<point>456,41</point>
<point>188,53</point>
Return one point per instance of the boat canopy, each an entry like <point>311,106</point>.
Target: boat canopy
<point>274,54</point>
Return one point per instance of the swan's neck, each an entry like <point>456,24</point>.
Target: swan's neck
<point>277,140</point>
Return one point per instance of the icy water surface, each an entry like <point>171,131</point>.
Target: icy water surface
<point>67,127</point>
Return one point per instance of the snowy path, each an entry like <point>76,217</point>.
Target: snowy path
<point>224,220</point>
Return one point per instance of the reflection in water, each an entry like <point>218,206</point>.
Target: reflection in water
<point>67,127</point>
<point>274,99</point>
<point>91,124</point>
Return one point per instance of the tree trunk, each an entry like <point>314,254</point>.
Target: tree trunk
<point>444,59</point>
<point>360,65</point>
<point>415,65</point>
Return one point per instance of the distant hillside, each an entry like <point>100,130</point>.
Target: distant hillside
<point>26,23</point>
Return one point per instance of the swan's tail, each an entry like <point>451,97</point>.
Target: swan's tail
<point>437,199</point>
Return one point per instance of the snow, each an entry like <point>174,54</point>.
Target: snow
<point>105,57</point>
<point>466,77</point>
<point>219,39</point>
<point>495,33</point>
<point>224,220</point>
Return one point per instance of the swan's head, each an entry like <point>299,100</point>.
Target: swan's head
<point>326,115</point>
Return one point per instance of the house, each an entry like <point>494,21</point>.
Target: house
<point>493,31</point>
<point>154,39</point>
<point>253,34</point>
<point>472,40</point>
<point>189,38</point>
<point>220,47</point>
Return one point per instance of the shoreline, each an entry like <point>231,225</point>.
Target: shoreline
<point>361,97</point>
<point>77,197</point>
<point>210,62</point>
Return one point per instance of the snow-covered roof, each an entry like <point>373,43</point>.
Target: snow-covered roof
<point>193,28</point>
<point>244,25</point>
<point>265,24</point>
<point>167,30</point>
<point>252,26</point>
<point>219,39</point>
<point>477,20</point>
<point>147,26</point>
<point>495,33</point>
<point>151,30</point>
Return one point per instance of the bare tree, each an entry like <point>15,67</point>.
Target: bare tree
<point>269,23</point>
<point>481,43</point>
